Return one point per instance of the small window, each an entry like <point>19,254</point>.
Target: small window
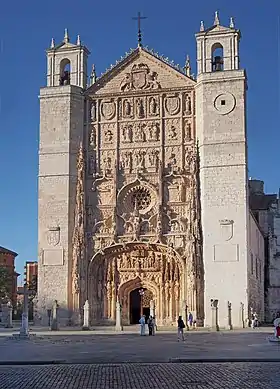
<point>223,102</point>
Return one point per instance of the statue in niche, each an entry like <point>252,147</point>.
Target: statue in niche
<point>93,111</point>
<point>188,105</point>
<point>153,158</point>
<point>139,133</point>
<point>108,136</point>
<point>107,163</point>
<point>92,137</point>
<point>140,159</point>
<point>126,160</point>
<point>172,133</point>
<point>151,259</point>
<point>140,108</point>
<point>126,134</point>
<point>153,132</point>
<point>153,106</point>
<point>188,132</point>
<point>127,108</point>
<point>172,160</point>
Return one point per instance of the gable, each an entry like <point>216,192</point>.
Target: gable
<point>140,71</point>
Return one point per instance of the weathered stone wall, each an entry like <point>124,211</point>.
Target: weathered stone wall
<point>61,128</point>
<point>220,126</point>
<point>256,262</point>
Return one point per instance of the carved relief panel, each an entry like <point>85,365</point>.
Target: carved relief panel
<point>108,134</point>
<point>173,131</point>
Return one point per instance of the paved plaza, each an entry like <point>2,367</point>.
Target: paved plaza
<point>109,347</point>
<point>134,376</point>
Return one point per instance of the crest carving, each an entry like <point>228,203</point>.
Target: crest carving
<point>172,104</point>
<point>108,109</point>
<point>226,229</point>
<point>140,78</point>
<point>53,236</point>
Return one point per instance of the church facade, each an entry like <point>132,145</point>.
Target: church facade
<point>143,188</point>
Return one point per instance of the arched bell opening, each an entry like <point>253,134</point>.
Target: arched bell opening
<point>217,57</point>
<point>65,72</point>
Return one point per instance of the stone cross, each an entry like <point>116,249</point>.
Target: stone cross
<point>119,326</point>
<point>214,314</point>
<point>10,315</point>
<point>54,325</point>
<point>24,332</point>
<point>229,315</point>
<point>86,316</point>
<point>241,316</point>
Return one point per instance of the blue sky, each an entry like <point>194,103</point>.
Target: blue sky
<point>107,28</point>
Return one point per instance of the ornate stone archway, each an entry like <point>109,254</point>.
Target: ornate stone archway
<point>119,269</point>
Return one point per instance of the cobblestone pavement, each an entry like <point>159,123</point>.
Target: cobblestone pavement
<point>163,376</point>
<point>134,348</point>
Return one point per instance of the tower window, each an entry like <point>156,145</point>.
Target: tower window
<point>223,102</point>
<point>217,57</point>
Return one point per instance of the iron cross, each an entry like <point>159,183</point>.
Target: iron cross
<point>139,18</point>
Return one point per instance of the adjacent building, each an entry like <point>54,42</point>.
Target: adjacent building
<point>266,209</point>
<point>7,261</point>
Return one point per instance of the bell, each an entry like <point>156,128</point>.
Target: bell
<point>217,64</point>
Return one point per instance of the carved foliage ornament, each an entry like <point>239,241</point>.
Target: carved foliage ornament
<point>140,78</point>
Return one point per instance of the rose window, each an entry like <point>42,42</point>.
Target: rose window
<point>141,199</point>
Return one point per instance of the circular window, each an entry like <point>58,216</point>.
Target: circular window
<point>141,199</point>
<point>224,103</point>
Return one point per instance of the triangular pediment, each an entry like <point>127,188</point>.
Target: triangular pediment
<point>217,29</point>
<point>140,70</point>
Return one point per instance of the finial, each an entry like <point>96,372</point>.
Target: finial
<point>202,25</point>
<point>66,36</point>
<point>188,66</point>
<point>78,40</point>
<point>92,75</point>
<point>231,24</point>
<point>52,43</point>
<point>217,20</point>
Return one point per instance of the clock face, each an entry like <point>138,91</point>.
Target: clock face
<point>224,103</point>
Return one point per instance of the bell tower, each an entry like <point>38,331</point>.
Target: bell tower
<point>221,132</point>
<point>67,63</point>
<point>61,132</point>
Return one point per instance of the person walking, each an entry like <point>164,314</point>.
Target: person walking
<point>142,323</point>
<point>151,326</point>
<point>181,326</point>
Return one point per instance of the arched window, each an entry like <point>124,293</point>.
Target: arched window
<point>65,72</point>
<point>217,57</point>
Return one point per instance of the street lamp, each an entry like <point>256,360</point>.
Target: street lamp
<point>141,292</point>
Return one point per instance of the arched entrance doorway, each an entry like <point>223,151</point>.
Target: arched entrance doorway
<point>121,270</point>
<point>139,304</point>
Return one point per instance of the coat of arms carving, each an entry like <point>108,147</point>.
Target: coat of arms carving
<point>108,109</point>
<point>140,78</point>
<point>53,236</point>
<point>172,104</point>
<point>226,229</point>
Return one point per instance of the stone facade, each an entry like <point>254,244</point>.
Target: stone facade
<point>140,173</point>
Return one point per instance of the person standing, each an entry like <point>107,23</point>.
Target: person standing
<point>181,326</point>
<point>190,319</point>
<point>142,323</point>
